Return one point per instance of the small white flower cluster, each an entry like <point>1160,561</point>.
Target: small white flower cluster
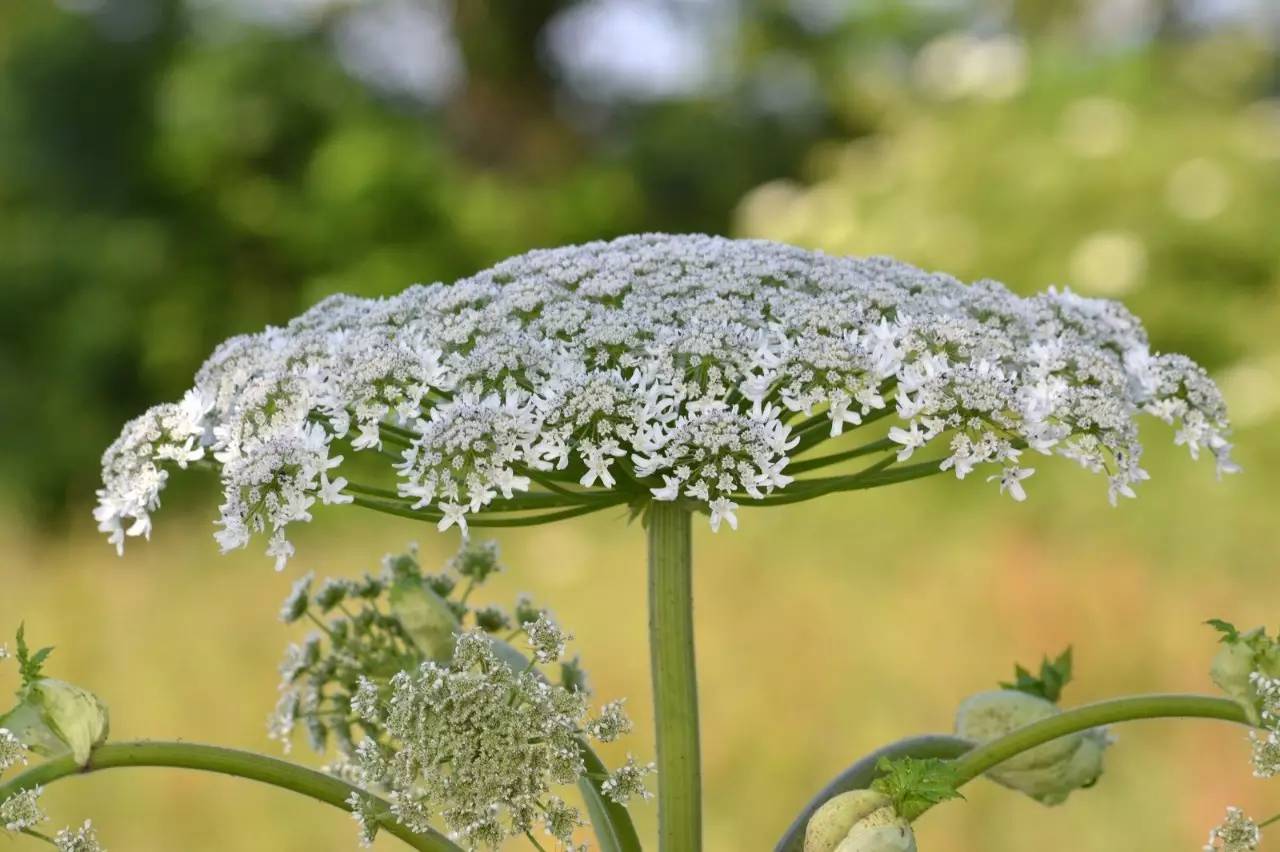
<point>82,839</point>
<point>627,781</point>
<point>12,751</point>
<point>365,812</point>
<point>1266,746</point>
<point>653,367</point>
<point>22,811</point>
<point>483,743</point>
<point>1237,833</point>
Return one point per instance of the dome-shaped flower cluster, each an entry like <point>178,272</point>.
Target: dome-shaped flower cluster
<point>655,367</point>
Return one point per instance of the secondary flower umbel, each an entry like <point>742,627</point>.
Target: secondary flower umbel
<point>655,368</point>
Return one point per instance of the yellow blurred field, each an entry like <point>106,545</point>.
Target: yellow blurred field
<point>824,629</point>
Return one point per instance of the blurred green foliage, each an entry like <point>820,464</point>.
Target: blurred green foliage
<point>162,192</point>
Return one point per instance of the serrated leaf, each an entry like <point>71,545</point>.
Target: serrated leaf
<point>29,664</point>
<point>916,784</point>
<point>1226,628</point>
<point>1054,675</point>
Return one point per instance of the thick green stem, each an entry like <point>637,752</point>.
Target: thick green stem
<point>1090,716</point>
<point>225,761</point>
<point>675,684</point>
<point>1073,721</point>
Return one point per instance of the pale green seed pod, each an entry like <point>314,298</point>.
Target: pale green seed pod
<point>426,617</point>
<point>1048,773</point>
<point>55,717</point>
<point>858,821</point>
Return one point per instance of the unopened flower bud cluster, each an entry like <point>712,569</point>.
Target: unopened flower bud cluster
<point>478,739</point>
<point>654,367</point>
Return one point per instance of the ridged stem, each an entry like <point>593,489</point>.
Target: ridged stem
<point>675,684</point>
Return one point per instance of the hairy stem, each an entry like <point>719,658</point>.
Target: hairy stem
<point>675,686</point>
<point>225,761</point>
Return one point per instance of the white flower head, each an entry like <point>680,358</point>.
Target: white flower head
<point>22,811</point>
<point>654,368</point>
<point>627,781</point>
<point>546,639</point>
<point>82,839</point>
<point>12,751</point>
<point>1237,833</point>
<point>1011,481</point>
<point>1266,754</point>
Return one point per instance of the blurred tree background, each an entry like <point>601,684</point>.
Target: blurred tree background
<point>176,171</point>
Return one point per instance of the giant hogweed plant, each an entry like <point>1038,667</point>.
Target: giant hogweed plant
<point>661,377</point>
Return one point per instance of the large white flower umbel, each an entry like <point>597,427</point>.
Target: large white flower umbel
<point>668,373</point>
<point>666,367</point>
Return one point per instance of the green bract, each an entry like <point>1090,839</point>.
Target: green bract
<point>425,616</point>
<point>54,717</point>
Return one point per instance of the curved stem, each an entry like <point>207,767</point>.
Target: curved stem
<point>225,761</point>
<point>873,476</point>
<point>1091,716</point>
<point>484,520</point>
<point>675,686</point>
<point>835,458</point>
<point>1078,719</point>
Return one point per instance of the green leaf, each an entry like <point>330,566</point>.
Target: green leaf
<point>1226,628</point>
<point>916,784</point>
<point>29,664</point>
<point>1054,675</point>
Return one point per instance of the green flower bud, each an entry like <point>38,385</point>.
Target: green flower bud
<point>1047,773</point>
<point>54,717</point>
<point>492,620</point>
<point>858,821</point>
<point>426,617</point>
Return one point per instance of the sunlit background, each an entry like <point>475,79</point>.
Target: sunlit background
<point>175,172</point>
